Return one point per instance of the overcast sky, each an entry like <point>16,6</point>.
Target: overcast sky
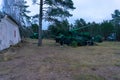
<point>0,4</point>
<point>95,10</point>
<point>90,10</point>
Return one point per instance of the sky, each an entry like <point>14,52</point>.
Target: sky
<point>0,4</point>
<point>89,10</point>
<point>95,10</point>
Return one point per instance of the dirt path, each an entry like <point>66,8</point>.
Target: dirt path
<point>53,62</point>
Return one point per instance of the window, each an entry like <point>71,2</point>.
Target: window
<point>15,33</point>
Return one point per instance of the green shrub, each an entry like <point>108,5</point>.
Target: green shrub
<point>74,44</point>
<point>98,38</point>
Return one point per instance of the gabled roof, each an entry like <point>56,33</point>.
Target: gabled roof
<point>12,19</point>
<point>3,15</point>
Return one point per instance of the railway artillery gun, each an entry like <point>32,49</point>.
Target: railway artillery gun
<point>79,38</point>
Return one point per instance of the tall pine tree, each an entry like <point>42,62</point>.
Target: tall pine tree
<point>53,10</point>
<point>24,18</point>
<point>116,23</point>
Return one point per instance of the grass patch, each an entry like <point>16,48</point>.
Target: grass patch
<point>88,77</point>
<point>117,64</point>
<point>1,58</point>
<point>52,60</point>
<point>116,77</point>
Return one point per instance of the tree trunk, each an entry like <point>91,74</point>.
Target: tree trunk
<point>40,24</point>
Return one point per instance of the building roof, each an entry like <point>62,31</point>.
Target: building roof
<point>3,15</point>
<point>12,19</point>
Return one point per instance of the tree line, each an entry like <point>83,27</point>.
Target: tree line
<point>108,29</point>
<point>57,13</point>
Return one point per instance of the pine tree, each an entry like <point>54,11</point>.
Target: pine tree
<point>24,18</point>
<point>54,10</point>
<point>116,23</point>
<point>17,9</point>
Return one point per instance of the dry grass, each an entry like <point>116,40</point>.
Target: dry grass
<point>55,62</point>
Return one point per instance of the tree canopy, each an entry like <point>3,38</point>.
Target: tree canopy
<point>56,10</point>
<point>52,10</point>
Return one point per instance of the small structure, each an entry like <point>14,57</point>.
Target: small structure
<point>9,32</point>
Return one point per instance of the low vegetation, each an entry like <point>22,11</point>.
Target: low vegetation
<point>55,62</point>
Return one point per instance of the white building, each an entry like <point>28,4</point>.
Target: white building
<point>9,32</point>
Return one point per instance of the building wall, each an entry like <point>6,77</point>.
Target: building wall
<point>9,33</point>
<point>3,37</point>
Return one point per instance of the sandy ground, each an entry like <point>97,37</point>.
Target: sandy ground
<point>27,61</point>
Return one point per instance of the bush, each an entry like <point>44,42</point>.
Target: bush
<point>98,38</point>
<point>34,36</point>
<point>74,44</point>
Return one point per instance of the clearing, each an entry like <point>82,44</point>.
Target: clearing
<point>27,61</point>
